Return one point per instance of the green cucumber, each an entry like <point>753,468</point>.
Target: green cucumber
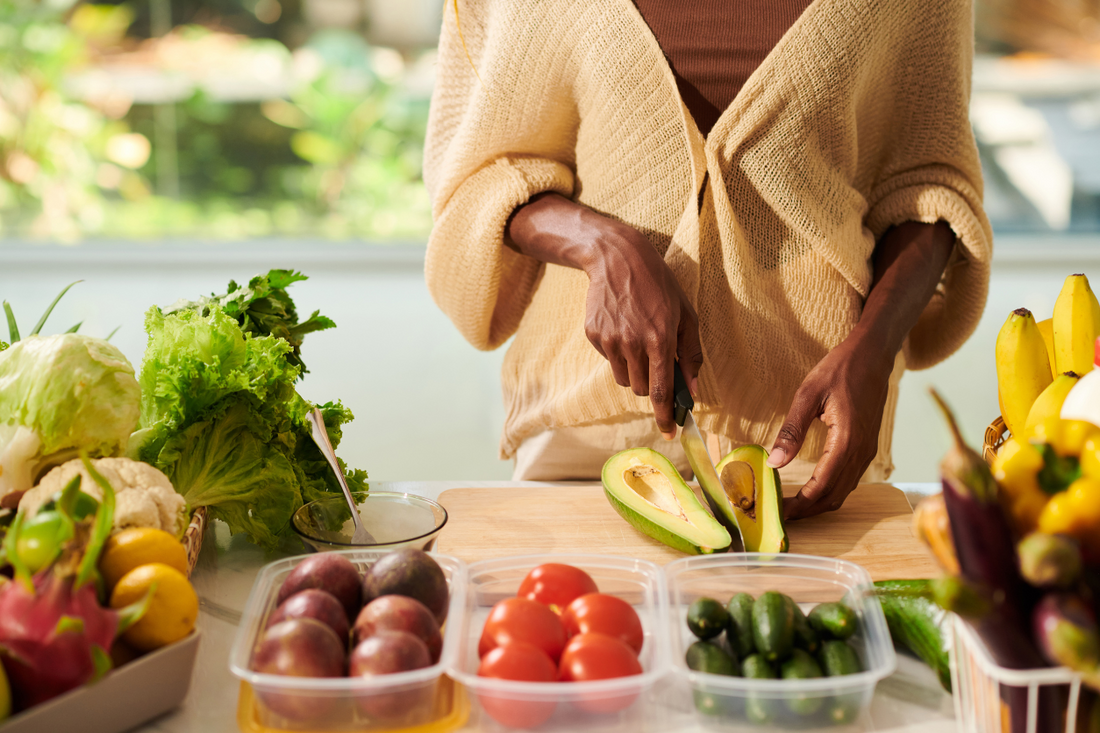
<point>705,656</point>
<point>801,666</point>
<point>804,635</point>
<point>773,625</point>
<point>835,620</point>
<point>759,710</point>
<point>843,709</point>
<point>916,623</point>
<point>739,629</point>
<point>707,618</point>
<point>838,658</point>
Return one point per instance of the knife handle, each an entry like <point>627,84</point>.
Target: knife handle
<point>682,402</point>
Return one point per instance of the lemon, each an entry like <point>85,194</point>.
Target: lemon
<point>172,610</point>
<point>136,546</point>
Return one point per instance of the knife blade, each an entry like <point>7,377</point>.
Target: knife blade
<point>699,457</point>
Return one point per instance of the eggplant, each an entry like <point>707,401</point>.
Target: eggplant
<point>985,548</point>
<point>1068,635</point>
<point>986,552</point>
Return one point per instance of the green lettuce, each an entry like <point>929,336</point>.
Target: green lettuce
<point>220,416</point>
<point>59,395</point>
<point>264,308</point>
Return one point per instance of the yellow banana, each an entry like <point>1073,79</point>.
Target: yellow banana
<point>1076,324</point>
<point>1046,329</point>
<point>1023,370</point>
<point>1049,402</point>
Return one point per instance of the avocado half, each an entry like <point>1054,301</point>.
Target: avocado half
<point>751,486</point>
<point>648,492</point>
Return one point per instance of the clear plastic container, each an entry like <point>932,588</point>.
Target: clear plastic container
<point>386,702</point>
<point>737,702</point>
<point>620,704</point>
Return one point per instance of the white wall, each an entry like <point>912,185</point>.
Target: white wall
<point>427,404</point>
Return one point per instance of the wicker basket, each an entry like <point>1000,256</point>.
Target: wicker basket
<point>192,537</point>
<point>995,436</point>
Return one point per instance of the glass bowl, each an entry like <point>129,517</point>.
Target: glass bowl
<point>395,519</point>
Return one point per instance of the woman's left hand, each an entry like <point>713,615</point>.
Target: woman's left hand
<point>846,391</point>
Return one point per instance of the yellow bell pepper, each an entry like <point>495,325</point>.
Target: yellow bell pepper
<point>1090,457</point>
<point>1043,463</point>
<point>1066,437</point>
<point>1016,469</point>
<point>1076,512</point>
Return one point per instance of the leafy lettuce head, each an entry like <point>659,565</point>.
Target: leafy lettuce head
<point>58,395</point>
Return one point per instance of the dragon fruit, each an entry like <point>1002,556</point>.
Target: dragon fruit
<point>54,633</point>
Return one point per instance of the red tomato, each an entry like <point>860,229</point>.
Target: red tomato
<point>604,614</point>
<point>556,585</point>
<point>599,657</point>
<point>517,661</point>
<point>521,619</point>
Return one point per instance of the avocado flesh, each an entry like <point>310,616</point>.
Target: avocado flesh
<point>753,499</point>
<point>648,492</point>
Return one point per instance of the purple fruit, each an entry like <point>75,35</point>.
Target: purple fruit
<point>387,652</point>
<point>330,572</point>
<point>316,604</point>
<point>408,572</point>
<point>399,613</point>
<point>1067,632</point>
<point>301,647</point>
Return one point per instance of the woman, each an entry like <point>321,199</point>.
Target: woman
<point>789,204</point>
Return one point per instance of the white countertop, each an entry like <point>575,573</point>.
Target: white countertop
<point>910,700</point>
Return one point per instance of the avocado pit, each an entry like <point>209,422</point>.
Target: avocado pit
<point>739,483</point>
<point>654,487</point>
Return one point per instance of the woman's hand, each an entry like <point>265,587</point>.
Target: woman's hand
<point>847,389</point>
<point>637,316</point>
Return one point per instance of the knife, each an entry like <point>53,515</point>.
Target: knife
<point>698,456</point>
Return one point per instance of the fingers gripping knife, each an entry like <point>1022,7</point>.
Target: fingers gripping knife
<point>696,449</point>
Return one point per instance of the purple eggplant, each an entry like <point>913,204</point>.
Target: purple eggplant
<point>986,553</point>
<point>1068,635</point>
<point>985,548</point>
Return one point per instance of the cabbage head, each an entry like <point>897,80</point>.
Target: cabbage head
<point>58,395</point>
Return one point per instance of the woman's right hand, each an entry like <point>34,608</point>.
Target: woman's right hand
<point>637,317</point>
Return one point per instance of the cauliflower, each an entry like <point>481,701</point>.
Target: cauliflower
<point>144,496</point>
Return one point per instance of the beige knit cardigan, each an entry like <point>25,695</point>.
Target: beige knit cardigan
<point>856,121</point>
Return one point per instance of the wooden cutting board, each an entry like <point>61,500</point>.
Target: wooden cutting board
<point>873,528</point>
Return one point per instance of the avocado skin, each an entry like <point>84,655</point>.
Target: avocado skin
<point>647,527</point>
<point>611,478</point>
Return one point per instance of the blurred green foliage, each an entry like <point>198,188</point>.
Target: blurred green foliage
<point>339,156</point>
<point>50,145</point>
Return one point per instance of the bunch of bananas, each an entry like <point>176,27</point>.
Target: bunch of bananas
<point>1038,363</point>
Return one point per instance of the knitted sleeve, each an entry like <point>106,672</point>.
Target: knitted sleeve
<point>931,170</point>
<point>494,140</point>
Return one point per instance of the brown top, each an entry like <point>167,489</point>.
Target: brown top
<point>713,46</point>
